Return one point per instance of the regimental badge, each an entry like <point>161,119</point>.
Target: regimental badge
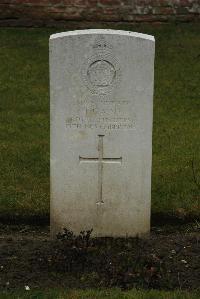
<point>101,71</point>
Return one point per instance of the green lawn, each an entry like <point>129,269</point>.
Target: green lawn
<point>101,294</point>
<point>24,120</point>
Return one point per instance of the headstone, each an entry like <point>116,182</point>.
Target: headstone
<point>101,86</point>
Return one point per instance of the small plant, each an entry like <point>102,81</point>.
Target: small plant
<point>74,249</point>
<point>79,241</point>
<point>66,235</point>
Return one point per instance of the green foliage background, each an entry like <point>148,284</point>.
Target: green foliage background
<point>24,120</point>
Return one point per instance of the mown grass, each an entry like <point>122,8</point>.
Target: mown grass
<point>100,294</point>
<point>24,120</point>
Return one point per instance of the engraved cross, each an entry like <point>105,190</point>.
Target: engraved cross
<point>101,161</point>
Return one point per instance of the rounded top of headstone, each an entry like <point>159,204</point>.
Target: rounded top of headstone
<point>103,31</point>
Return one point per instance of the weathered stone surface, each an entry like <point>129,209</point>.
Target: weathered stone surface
<point>101,84</point>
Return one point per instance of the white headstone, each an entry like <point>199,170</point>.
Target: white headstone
<point>101,85</point>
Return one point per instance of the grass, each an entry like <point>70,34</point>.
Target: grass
<point>24,120</point>
<point>100,294</point>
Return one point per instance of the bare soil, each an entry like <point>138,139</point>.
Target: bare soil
<point>168,259</point>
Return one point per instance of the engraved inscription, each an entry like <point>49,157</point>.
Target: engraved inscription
<point>100,160</point>
<point>101,44</point>
<point>97,107</point>
<point>93,126</point>
<point>103,113</point>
